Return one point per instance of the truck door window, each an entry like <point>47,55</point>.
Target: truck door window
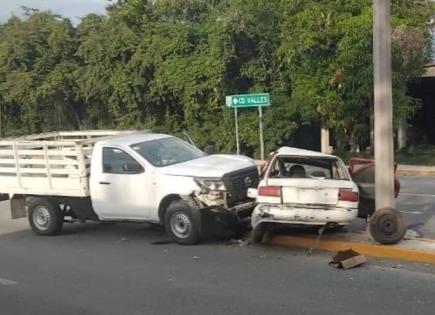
<point>116,161</point>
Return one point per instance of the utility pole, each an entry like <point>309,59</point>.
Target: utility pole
<point>386,225</point>
<point>384,155</point>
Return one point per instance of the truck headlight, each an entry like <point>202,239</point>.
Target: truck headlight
<point>210,184</point>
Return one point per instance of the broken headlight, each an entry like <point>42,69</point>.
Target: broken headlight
<point>210,184</point>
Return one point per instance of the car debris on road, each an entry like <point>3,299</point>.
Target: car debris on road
<point>347,259</point>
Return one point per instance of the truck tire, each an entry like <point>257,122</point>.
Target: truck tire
<point>181,224</point>
<point>45,216</point>
<point>258,233</point>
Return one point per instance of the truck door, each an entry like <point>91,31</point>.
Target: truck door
<point>120,187</point>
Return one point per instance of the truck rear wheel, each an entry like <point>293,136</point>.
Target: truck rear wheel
<point>180,223</point>
<point>45,216</point>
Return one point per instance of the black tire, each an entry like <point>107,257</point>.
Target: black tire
<point>45,216</point>
<point>387,226</point>
<point>181,224</point>
<point>258,233</point>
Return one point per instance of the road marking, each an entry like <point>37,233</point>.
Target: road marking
<point>418,195</point>
<point>412,212</point>
<point>7,282</point>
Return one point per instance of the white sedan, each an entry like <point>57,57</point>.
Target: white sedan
<point>300,187</point>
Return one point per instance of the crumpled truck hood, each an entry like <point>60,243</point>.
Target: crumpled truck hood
<point>209,166</point>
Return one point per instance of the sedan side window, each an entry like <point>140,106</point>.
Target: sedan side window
<point>116,161</point>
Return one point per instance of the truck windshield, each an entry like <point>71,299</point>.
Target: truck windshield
<point>167,151</point>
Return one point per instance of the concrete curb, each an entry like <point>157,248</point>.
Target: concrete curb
<point>415,170</point>
<point>410,250</point>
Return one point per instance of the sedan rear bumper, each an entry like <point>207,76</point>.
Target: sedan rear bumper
<point>305,216</point>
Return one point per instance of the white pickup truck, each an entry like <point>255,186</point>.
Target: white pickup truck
<point>124,176</point>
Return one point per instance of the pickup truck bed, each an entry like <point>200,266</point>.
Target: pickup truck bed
<point>50,164</point>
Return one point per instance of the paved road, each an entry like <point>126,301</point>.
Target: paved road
<point>417,203</point>
<point>115,269</point>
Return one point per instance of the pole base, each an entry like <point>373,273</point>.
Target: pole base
<point>387,226</point>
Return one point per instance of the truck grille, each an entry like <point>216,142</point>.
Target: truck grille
<point>238,182</point>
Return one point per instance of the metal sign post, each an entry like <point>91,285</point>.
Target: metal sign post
<point>260,118</point>
<point>259,100</point>
<point>237,131</point>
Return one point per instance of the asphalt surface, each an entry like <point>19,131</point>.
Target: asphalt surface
<point>416,201</point>
<point>116,269</point>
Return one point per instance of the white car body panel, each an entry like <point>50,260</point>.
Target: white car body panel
<point>305,201</point>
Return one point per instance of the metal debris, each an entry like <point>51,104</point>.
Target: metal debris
<point>162,242</point>
<point>412,234</point>
<point>396,266</point>
<point>240,242</point>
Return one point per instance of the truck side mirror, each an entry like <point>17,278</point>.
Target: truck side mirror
<point>132,168</point>
<point>209,149</point>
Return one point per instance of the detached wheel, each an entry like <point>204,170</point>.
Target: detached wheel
<point>258,233</point>
<point>45,217</point>
<point>387,226</point>
<point>180,223</point>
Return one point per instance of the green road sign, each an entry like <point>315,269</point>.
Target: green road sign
<point>248,100</point>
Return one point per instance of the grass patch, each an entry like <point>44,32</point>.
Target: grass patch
<point>419,156</point>
<point>422,155</point>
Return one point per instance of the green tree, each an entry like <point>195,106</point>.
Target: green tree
<point>36,73</point>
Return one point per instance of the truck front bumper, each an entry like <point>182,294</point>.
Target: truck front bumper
<point>301,216</point>
<point>219,220</point>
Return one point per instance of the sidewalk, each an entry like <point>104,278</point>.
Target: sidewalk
<point>411,249</point>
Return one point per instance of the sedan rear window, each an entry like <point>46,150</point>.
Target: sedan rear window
<point>308,167</point>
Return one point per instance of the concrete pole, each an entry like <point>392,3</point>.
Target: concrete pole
<point>383,109</point>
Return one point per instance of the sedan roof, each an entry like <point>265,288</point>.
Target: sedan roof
<point>290,151</point>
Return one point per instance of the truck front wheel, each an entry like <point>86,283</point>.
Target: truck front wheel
<point>45,217</point>
<point>180,223</point>
<point>258,233</point>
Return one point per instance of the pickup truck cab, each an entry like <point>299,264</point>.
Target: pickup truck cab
<point>133,176</point>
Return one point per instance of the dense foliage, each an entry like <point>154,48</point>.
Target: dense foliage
<point>167,65</point>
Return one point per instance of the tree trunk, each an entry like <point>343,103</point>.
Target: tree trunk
<point>402,134</point>
<point>352,141</point>
<point>324,140</point>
